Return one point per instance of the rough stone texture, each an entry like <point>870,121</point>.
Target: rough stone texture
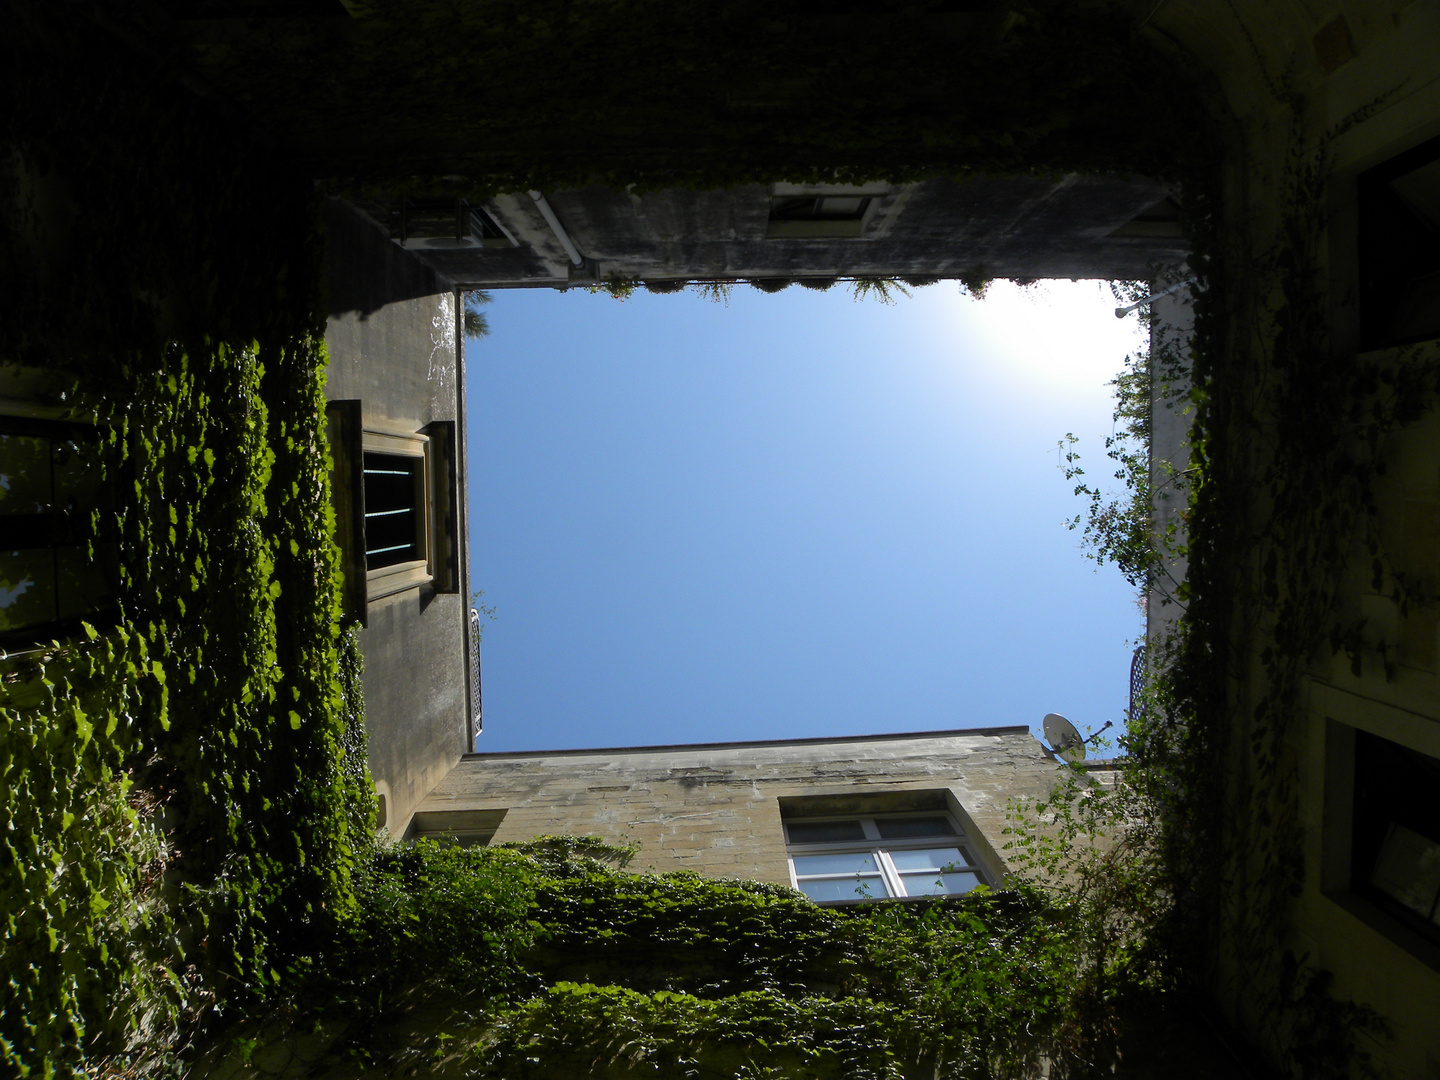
<point>1016,226</point>
<point>714,808</point>
<point>392,343</point>
<point>365,271</point>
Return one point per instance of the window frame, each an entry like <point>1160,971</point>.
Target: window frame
<point>1390,795</point>
<point>880,849</point>
<point>786,219</point>
<point>1395,253</point>
<point>352,438</point>
<point>418,222</point>
<point>383,581</point>
<point>62,530</point>
<point>1347,853</point>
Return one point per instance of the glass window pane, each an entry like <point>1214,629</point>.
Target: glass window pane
<point>927,858</point>
<point>933,884</point>
<point>24,475</point>
<point>392,510</point>
<point>849,862</point>
<point>1408,869</point>
<point>27,588</point>
<point>904,828</point>
<point>823,832</point>
<point>844,888</point>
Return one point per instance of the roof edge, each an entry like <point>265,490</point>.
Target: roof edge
<point>1009,729</point>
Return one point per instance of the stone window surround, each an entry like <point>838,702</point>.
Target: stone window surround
<point>352,436</point>
<point>822,226</point>
<point>1337,837</point>
<point>871,808</point>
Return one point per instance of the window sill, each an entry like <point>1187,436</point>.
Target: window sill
<point>871,901</point>
<point>395,579</point>
<point>814,230</point>
<point>1388,926</point>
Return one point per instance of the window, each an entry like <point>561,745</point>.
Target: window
<point>460,828</point>
<point>422,223</point>
<point>54,570</point>
<point>821,216</point>
<point>394,510</point>
<point>396,533</point>
<point>1395,833</point>
<point>836,859</point>
<point>1399,248</point>
<point>395,495</point>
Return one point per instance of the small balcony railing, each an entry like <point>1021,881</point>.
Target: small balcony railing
<point>475,711</point>
<point>1137,678</point>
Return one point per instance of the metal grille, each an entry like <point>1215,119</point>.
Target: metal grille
<point>475,713</point>
<point>1137,677</point>
<point>393,526</point>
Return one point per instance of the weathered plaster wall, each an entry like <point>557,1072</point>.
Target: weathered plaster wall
<point>714,808</point>
<point>392,343</point>
<point>1015,226</point>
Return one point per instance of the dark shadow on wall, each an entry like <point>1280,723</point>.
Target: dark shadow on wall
<point>366,270</point>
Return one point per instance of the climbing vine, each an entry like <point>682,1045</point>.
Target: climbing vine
<point>188,862</point>
<point>185,800</point>
<point>1289,440</point>
<point>1125,528</point>
<point>528,959</point>
<point>425,95</point>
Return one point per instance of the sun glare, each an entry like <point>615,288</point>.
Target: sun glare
<point>1056,337</point>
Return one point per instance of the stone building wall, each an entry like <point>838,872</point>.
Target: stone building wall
<point>983,227</point>
<point>715,808</point>
<point>393,346</point>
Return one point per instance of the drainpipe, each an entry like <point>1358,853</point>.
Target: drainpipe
<point>469,634</point>
<point>1121,312</point>
<point>559,230</point>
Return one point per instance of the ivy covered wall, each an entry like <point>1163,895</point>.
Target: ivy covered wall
<point>546,959</point>
<point>180,150</point>
<point>516,94</point>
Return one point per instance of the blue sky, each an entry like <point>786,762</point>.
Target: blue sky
<point>792,515</point>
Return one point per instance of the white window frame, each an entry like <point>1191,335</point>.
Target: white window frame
<point>880,848</point>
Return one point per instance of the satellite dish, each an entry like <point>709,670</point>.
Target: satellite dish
<point>1064,739</point>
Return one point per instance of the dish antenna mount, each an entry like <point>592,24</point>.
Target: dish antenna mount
<point>1065,741</point>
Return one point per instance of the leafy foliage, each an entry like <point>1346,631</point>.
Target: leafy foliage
<point>616,287</point>
<point>1122,528</point>
<point>743,92</point>
<point>476,324</point>
<point>542,957</point>
<point>882,289</point>
<point>83,925</point>
<point>975,282</point>
<point>610,1031</point>
<point>720,290</point>
<point>486,611</point>
<point>185,793</point>
<point>1288,439</point>
<point>221,716</point>
<point>222,685</point>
